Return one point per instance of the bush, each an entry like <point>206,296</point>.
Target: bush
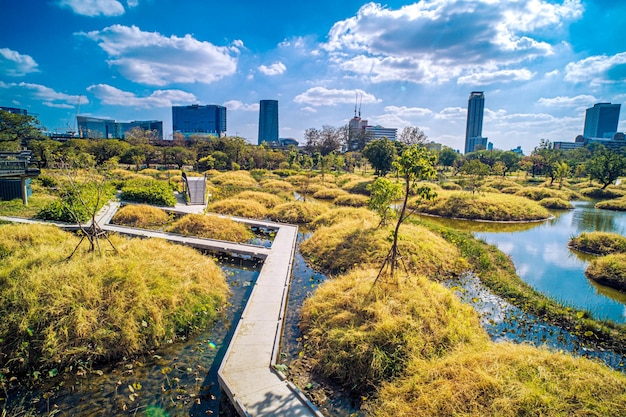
<point>297,212</point>
<point>77,205</point>
<point>609,270</point>
<point>238,207</point>
<point>351,200</point>
<point>58,312</point>
<point>599,243</point>
<point>142,216</point>
<point>148,192</point>
<point>556,203</point>
<point>211,227</point>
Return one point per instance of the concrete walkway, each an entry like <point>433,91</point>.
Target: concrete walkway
<point>247,373</point>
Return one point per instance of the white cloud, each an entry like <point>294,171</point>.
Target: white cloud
<point>437,40</point>
<point>501,76</point>
<point>153,59</point>
<point>404,111</point>
<point>276,68</point>
<point>160,98</point>
<point>132,3</point>
<point>560,101</point>
<point>452,113</point>
<point>597,70</point>
<point>95,7</point>
<point>321,96</point>
<point>46,95</point>
<point>238,105</point>
<point>15,64</point>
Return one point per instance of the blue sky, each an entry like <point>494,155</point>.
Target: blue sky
<point>540,63</point>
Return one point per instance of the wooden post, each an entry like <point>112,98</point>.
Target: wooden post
<point>24,190</point>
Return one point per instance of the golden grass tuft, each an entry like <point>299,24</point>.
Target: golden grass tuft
<point>603,194</point>
<point>618,204</point>
<point>450,186</point>
<point>358,243</point>
<point>539,193</point>
<point>362,339</point>
<point>501,184</point>
<point>352,200</point>
<point>238,207</point>
<point>58,312</point>
<point>297,212</point>
<point>599,243</point>
<point>358,186</point>
<point>341,214</point>
<point>329,193</point>
<point>235,179</point>
<point>556,203</point>
<point>211,227</point>
<point>266,199</point>
<point>276,185</point>
<point>494,207</point>
<point>609,270</point>
<point>140,215</point>
<point>504,380</point>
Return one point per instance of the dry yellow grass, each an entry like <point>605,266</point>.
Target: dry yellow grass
<point>324,193</point>
<point>297,212</point>
<point>341,214</point>
<point>239,207</point>
<point>57,312</point>
<point>266,199</point>
<point>211,227</point>
<point>352,200</point>
<point>140,215</point>
<point>276,185</point>
<point>235,179</point>
<point>504,380</point>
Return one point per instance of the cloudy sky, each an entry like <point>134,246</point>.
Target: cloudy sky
<point>540,63</point>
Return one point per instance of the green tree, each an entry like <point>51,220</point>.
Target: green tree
<point>105,149</point>
<point>562,171</point>
<point>606,166</point>
<point>547,158</point>
<point>475,171</point>
<point>447,157</point>
<point>381,154</point>
<point>383,192</point>
<point>17,129</point>
<point>412,135</point>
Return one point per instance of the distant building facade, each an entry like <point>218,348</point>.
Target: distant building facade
<point>379,132</point>
<point>474,126</point>
<point>97,128</point>
<point>14,110</point>
<point>601,120</point>
<point>199,120</point>
<point>268,121</point>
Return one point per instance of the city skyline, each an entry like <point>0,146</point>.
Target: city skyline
<point>541,63</point>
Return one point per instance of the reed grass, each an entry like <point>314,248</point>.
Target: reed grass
<point>618,204</point>
<point>351,200</point>
<point>609,270</point>
<point>599,243</point>
<point>494,207</point>
<point>297,212</point>
<point>57,312</point>
<point>211,227</point>
<point>238,207</point>
<point>141,215</point>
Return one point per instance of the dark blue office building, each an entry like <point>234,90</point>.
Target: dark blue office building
<point>268,121</point>
<point>601,120</point>
<point>197,120</point>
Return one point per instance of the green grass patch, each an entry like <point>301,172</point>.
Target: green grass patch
<point>58,313</point>
<point>618,204</point>
<point>609,270</point>
<point>602,194</point>
<point>599,243</point>
<point>16,208</point>
<point>493,207</point>
<point>151,191</point>
<point>556,204</point>
<point>539,193</point>
<point>211,227</point>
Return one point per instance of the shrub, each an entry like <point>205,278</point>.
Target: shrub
<point>361,335</point>
<point>77,205</point>
<point>351,200</point>
<point>609,270</point>
<point>238,207</point>
<point>618,204</point>
<point>495,207</point>
<point>142,216</point>
<point>57,312</point>
<point>599,243</point>
<point>297,212</point>
<point>266,199</point>
<point>212,227</point>
<point>148,192</point>
<point>556,203</point>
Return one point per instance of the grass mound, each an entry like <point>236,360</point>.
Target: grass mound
<point>141,215</point>
<point>297,212</point>
<point>609,270</point>
<point>501,184</point>
<point>494,207</point>
<point>602,194</point>
<point>450,186</point>
<point>556,204</point>
<point>238,207</point>
<point>329,193</point>
<point>539,193</point>
<point>58,312</point>
<point>361,338</point>
<point>235,179</point>
<point>276,185</point>
<point>352,200</point>
<point>338,215</point>
<point>618,204</point>
<point>212,227</point>
<point>266,199</point>
<point>504,380</point>
<point>358,186</point>
<point>599,243</point>
<point>357,243</point>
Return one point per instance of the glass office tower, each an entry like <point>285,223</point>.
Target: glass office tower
<point>601,120</point>
<point>208,120</point>
<point>268,121</point>
<point>474,128</point>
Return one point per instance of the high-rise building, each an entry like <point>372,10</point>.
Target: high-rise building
<point>601,120</point>
<point>268,121</point>
<point>474,128</point>
<point>14,110</point>
<point>197,120</point>
<point>97,128</point>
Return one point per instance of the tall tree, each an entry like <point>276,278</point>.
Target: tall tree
<point>380,153</point>
<point>605,166</point>
<point>17,129</point>
<point>412,135</point>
